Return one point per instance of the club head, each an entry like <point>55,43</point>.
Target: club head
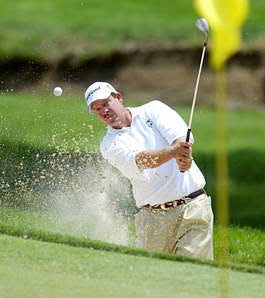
<point>202,24</point>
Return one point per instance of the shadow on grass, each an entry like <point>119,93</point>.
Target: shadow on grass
<point>246,185</point>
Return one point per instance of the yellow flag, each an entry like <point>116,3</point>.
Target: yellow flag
<point>225,18</point>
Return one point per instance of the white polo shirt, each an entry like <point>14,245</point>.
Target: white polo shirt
<point>154,126</point>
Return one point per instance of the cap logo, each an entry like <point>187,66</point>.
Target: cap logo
<point>93,91</point>
<point>149,122</point>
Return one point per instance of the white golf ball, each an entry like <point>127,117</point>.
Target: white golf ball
<point>57,91</point>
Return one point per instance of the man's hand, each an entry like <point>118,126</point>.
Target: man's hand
<point>184,164</point>
<point>182,154</point>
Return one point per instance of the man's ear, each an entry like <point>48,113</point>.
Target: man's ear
<point>119,97</point>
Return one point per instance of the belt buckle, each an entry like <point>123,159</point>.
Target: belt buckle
<point>163,206</point>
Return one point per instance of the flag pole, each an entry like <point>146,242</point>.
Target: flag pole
<point>222,179</point>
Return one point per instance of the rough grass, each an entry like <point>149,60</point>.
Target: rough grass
<point>52,29</point>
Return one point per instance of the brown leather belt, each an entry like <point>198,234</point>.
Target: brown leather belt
<point>175,203</point>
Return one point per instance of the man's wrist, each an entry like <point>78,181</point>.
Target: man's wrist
<point>173,150</point>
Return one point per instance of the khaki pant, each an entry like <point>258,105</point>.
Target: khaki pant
<point>186,229</point>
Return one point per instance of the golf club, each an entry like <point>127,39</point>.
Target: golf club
<point>202,24</point>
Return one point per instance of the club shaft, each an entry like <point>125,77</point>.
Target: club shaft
<point>195,94</point>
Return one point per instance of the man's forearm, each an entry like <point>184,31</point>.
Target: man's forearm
<point>154,158</point>
<point>179,150</point>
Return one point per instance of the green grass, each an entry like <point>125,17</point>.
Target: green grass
<point>37,269</point>
<point>46,121</point>
<point>245,245</point>
<point>54,29</point>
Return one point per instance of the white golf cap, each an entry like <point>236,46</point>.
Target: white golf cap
<point>98,90</point>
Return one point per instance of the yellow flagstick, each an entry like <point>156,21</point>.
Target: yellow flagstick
<point>222,179</point>
<point>225,19</point>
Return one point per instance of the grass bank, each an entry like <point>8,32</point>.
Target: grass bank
<point>246,245</point>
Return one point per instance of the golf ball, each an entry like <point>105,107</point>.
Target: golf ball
<point>57,91</point>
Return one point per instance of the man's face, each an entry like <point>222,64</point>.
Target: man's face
<point>110,110</point>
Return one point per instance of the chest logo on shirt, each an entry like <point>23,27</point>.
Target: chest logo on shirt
<point>149,123</point>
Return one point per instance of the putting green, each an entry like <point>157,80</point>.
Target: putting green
<point>31,268</point>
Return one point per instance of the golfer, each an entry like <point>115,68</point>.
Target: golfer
<point>147,144</point>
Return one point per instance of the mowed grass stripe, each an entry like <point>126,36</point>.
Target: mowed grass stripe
<point>27,233</point>
<point>36,269</point>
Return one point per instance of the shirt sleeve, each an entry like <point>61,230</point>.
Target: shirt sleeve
<point>123,159</point>
<point>170,124</point>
